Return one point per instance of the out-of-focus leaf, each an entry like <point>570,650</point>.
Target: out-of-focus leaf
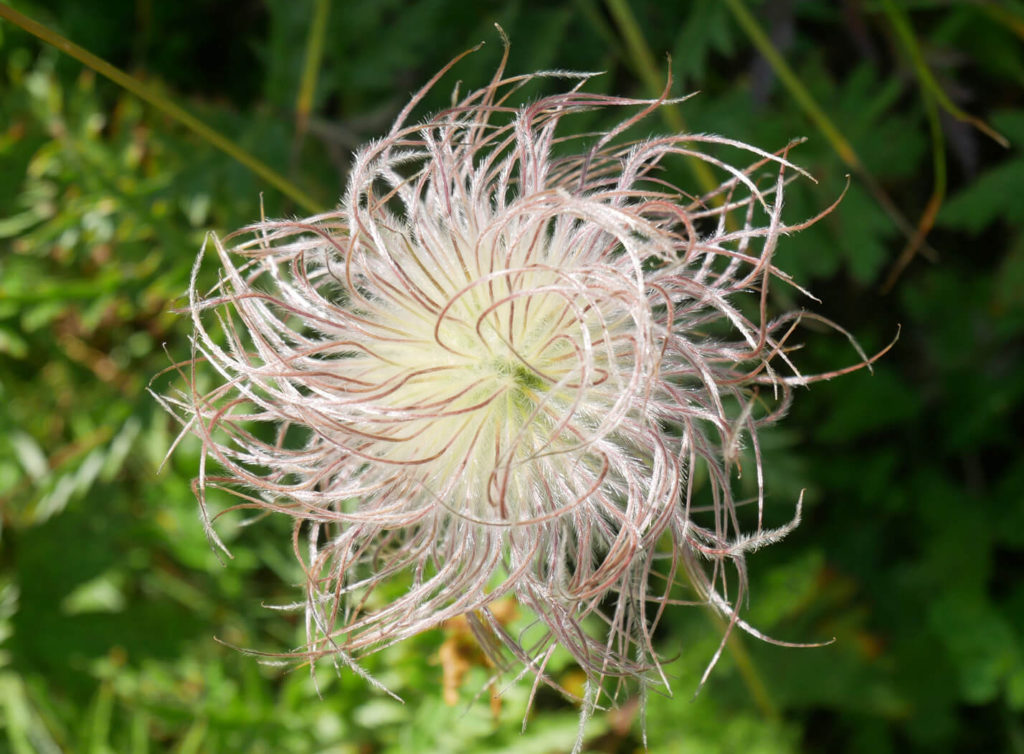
<point>101,594</point>
<point>31,456</point>
<point>982,645</point>
<point>999,192</point>
<point>707,30</point>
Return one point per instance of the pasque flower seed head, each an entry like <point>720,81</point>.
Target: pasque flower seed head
<point>497,370</point>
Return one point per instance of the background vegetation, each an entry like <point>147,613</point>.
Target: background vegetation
<point>912,547</point>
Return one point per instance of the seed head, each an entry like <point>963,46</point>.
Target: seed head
<point>498,370</point>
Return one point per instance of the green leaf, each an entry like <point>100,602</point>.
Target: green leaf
<point>999,192</point>
<point>983,647</point>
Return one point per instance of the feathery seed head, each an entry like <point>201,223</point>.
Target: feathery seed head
<point>497,368</point>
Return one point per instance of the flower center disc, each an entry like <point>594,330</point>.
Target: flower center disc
<point>492,386</point>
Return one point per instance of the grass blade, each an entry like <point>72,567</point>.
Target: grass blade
<point>164,105</point>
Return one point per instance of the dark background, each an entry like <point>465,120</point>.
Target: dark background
<point>912,546</point>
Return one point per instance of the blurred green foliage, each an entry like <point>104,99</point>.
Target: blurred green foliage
<point>912,547</point>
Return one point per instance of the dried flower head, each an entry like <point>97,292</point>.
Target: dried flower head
<point>495,371</point>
